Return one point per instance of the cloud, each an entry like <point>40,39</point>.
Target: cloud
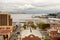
<point>29,5</point>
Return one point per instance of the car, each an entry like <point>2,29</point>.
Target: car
<point>18,33</point>
<point>14,39</point>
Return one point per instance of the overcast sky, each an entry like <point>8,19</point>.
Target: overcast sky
<point>30,6</point>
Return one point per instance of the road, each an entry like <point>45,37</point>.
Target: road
<point>19,29</point>
<point>14,35</point>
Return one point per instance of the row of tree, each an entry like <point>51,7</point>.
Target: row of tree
<point>41,25</point>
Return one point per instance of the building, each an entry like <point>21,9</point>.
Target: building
<point>31,37</point>
<point>58,15</point>
<point>54,31</point>
<point>6,27</point>
<point>5,20</point>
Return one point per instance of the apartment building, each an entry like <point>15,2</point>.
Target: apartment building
<point>5,20</point>
<point>6,27</point>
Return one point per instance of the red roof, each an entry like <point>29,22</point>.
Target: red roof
<point>4,31</point>
<point>31,37</point>
<point>53,32</point>
<point>55,24</point>
<point>29,20</point>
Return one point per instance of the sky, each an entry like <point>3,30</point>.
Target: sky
<point>30,6</point>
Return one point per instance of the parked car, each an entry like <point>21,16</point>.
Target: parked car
<point>18,33</point>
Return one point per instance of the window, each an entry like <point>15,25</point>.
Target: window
<point>0,28</point>
<point>7,28</point>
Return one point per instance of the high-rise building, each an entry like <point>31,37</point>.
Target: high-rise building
<point>6,27</point>
<point>5,20</point>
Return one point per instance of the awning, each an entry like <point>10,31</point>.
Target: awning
<point>4,32</point>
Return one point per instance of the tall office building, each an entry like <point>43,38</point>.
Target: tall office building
<point>5,20</point>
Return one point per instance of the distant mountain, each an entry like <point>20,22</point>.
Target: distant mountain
<point>33,12</point>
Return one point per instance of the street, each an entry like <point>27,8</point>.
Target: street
<point>15,35</point>
<point>21,33</point>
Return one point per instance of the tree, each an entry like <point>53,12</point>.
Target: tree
<point>43,25</point>
<point>32,25</point>
<point>24,26</point>
<point>46,26</point>
<point>52,14</point>
<point>47,39</point>
<point>40,24</point>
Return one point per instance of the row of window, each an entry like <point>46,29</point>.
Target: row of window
<point>5,28</point>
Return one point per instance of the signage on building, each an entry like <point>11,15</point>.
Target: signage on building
<point>4,32</point>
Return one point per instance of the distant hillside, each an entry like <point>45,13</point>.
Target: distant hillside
<point>54,14</point>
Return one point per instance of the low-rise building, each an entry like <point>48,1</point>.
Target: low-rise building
<point>54,31</point>
<point>31,37</point>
